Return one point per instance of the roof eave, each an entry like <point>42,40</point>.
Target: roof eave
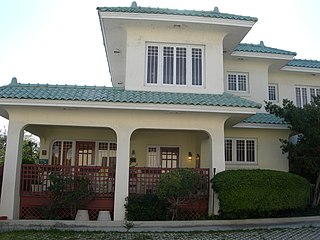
<point>177,18</point>
<point>126,106</point>
<point>301,69</point>
<point>286,57</point>
<point>263,126</point>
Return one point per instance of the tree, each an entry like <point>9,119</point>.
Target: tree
<point>3,140</point>
<point>30,148</point>
<point>304,154</point>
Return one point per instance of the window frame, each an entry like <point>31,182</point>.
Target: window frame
<point>234,151</point>
<point>188,61</point>
<point>237,84</point>
<point>158,155</point>
<point>305,97</point>
<point>73,151</point>
<point>275,92</point>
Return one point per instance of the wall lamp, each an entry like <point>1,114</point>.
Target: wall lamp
<point>190,156</point>
<point>133,157</point>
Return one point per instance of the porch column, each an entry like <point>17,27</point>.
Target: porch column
<point>122,173</point>
<point>10,194</point>
<point>217,164</point>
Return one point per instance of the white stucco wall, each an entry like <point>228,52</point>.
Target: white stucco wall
<point>138,36</point>
<point>287,81</point>
<point>257,75</point>
<point>269,154</point>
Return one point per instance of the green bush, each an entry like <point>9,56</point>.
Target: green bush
<point>259,193</point>
<point>180,186</point>
<point>146,207</point>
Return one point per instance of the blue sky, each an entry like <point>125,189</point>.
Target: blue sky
<point>60,41</point>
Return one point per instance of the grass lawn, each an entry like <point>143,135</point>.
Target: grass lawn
<point>62,235</point>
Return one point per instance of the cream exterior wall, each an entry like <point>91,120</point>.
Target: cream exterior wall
<point>269,154</point>
<point>257,71</point>
<point>187,141</point>
<point>138,36</point>
<point>287,81</point>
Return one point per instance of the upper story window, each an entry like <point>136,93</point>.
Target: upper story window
<point>304,95</point>
<point>174,65</point>
<point>273,92</point>
<point>237,82</point>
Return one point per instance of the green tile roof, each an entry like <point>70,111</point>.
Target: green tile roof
<point>304,63</point>
<point>194,13</point>
<point>261,48</point>
<point>265,118</point>
<point>118,95</point>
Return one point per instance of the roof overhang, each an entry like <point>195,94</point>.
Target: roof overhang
<point>301,69</point>
<point>74,105</point>
<point>262,126</point>
<point>114,25</point>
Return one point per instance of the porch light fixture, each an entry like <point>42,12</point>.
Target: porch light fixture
<point>190,156</point>
<point>133,158</point>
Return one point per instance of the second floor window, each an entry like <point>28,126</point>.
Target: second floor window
<point>237,82</point>
<point>179,65</point>
<point>273,92</point>
<point>304,95</point>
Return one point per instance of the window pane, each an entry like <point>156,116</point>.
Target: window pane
<point>197,66</point>
<point>67,153</point>
<point>232,82</point>
<point>304,96</point>
<point>272,93</point>
<point>298,97</point>
<point>228,150</point>
<point>242,82</point>
<point>152,157</point>
<point>152,68</point>
<point>56,153</point>
<point>250,151</point>
<point>168,65</point>
<point>181,69</point>
<point>240,145</point>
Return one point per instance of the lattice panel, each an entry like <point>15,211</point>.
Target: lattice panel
<point>30,213</point>
<point>191,215</point>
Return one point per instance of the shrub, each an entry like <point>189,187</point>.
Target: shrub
<point>146,207</point>
<point>259,193</point>
<point>179,186</point>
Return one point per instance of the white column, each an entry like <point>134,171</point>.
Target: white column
<point>10,194</point>
<point>217,163</point>
<point>122,173</point>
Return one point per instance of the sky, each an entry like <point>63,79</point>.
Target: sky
<point>60,41</point>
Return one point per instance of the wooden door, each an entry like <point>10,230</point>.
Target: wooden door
<point>85,153</point>
<point>169,157</point>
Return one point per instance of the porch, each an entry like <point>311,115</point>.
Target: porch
<point>35,181</point>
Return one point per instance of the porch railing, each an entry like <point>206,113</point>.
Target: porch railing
<point>145,179</point>
<point>35,178</point>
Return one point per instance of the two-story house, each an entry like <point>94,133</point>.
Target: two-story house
<point>186,94</point>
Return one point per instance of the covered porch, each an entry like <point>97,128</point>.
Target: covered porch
<point>118,163</point>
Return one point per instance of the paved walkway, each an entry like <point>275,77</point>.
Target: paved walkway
<point>276,228</point>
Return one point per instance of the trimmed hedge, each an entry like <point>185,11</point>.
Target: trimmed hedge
<point>259,193</point>
<point>146,207</point>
